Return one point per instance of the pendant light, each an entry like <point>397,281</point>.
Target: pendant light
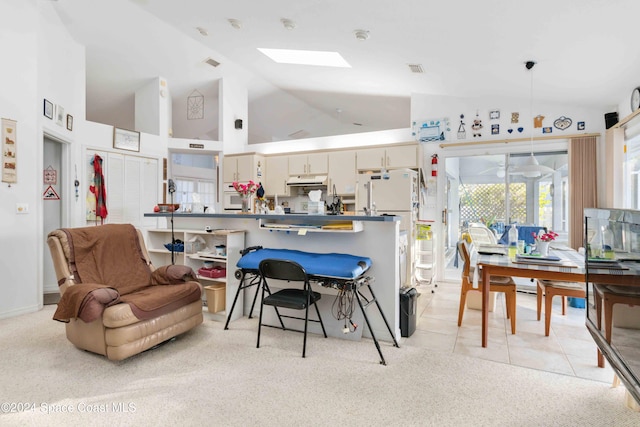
<point>531,168</point>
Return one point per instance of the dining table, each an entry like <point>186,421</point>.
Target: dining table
<point>562,263</point>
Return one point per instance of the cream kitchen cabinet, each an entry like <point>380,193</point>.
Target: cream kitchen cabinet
<point>276,175</point>
<point>242,168</point>
<point>401,156</point>
<point>308,164</point>
<point>342,172</point>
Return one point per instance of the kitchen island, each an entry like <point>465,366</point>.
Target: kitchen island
<point>376,237</point>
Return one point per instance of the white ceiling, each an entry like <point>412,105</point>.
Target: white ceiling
<point>587,53</point>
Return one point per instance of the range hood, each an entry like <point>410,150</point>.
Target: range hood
<point>307,181</point>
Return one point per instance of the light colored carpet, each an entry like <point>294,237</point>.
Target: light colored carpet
<point>214,377</point>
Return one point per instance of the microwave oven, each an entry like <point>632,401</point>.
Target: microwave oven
<point>232,201</point>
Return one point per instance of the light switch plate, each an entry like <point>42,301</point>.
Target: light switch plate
<point>22,208</point>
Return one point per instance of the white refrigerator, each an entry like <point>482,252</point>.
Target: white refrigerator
<point>394,192</point>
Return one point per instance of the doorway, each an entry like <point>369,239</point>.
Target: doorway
<point>53,212</point>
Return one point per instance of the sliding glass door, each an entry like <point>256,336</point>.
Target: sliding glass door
<point>493,190</point>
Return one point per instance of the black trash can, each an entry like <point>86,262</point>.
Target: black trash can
<point>408,309</point>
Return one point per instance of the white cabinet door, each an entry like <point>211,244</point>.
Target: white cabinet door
<point>245,171</point>
<point>298,164</point>
<point>229,169</point>
<point>318,164</point>
<point>276,175</point>
<point>342,172</point>
<point>370,158</point>
<point>309,164</point>
<point>405,156</point>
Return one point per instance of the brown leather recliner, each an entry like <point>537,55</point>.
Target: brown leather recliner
<point>113,300</point>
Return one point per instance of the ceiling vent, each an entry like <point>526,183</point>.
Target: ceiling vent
<point>299,134</point>
<point>211,62</point>
<point>416,68</point>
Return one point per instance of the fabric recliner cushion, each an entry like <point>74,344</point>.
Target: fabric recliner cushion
<point>154,300</point>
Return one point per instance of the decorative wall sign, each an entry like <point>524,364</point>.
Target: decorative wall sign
<point>462,133</point>
<point>515,117</point>
<point>580,125</point>
<point>48,109</point>
<point>537,121</point>
<point>50,194</point>
<point>50,176</point>
<point>432,130</point>
<point>9,145</point>
<point>126,139</point>
<point>476,126</point>
<point>562,123</point>
<point>195,106</point>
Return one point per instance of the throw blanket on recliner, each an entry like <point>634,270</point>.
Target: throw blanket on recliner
<point>110,255</point>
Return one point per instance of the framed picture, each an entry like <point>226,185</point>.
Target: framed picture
<point>126,139</point>
<point>69,122</point>
<point>48,109</point>
<point>59,114</point>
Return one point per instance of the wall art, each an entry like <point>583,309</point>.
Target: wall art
<point>547,129</point>
<point>462,133</point>
<point>59,115</point>
<point>69,122</point>
<point>580,126</point>
<point>432,130</point>
<point>562,123</point>
<point>9,146</point>
<point>537,121</point>
<point>50,176</point>
<point>495,129</point>
<point>476,127</point>
<point>48,109</point>
<point>126,139</point>
<point>494,114</point>
<point>515,117</point>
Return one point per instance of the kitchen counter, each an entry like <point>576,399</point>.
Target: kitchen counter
<point>376,237</point>
<point>275,217</point>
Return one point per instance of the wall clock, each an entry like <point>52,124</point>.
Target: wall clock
<point>635,99</point>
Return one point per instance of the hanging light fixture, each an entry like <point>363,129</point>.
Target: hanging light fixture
<point>530,168</point>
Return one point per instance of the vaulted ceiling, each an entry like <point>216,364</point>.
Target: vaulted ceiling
<point>587,53</point>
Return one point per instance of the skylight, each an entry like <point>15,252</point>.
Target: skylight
<point>306,57</point>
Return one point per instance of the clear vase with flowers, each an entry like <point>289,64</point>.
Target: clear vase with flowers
<point>543,239</point>
<point>245,191</point>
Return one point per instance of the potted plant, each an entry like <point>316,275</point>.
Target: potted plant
<point>543,240</point>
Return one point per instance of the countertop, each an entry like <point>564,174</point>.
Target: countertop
<point>275,217</point>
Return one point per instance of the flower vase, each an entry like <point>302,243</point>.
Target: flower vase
<point>543,248</point>
<point>245,202</point>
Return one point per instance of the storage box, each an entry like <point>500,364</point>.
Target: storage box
<point>474,300</point>
<point>212,273</point>
<point>193,247</point>
<point>315,208</point>
<point>216,297</point>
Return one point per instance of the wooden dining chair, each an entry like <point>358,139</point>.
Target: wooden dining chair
<point>497,284</point>
<point>552,288</point>
<point>606,296</point>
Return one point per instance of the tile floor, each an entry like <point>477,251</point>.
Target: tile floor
<point>568,350</point>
